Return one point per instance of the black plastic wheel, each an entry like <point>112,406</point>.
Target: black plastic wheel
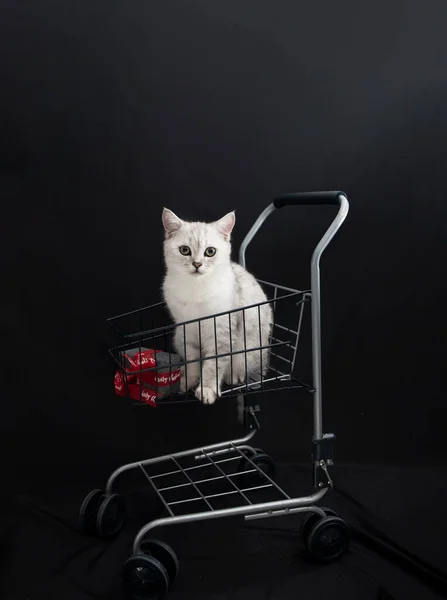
<point>250,454</point>
<point>111,516</point>
<point>164,554</point>
<point>264,462</point>
<point>89,511</point>
<point>145,578</point>
<point>328,539</point>
<point>310,519</point>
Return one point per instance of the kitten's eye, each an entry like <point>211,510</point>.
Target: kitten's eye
<point>210,251</point>
<point>185,250</point>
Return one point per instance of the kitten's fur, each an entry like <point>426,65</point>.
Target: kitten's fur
<point>218,285</point>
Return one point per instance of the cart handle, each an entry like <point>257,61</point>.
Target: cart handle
<point>308,198</point>
<point>300,199</point>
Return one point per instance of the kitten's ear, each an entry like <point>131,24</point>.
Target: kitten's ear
<point>171,222</point>
<point>225,225</point>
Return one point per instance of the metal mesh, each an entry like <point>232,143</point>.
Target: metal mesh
<point>152,373</point>
<point>212,481</point>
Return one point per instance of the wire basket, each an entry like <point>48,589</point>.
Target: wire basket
<point>150,372</point>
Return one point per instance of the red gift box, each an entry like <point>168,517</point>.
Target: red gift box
<point>147,386</point>
<point>135,361</point>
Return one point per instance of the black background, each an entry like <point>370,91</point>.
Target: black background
<point>111,110</point>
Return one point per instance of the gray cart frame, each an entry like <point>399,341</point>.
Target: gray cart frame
<point>217,454</point>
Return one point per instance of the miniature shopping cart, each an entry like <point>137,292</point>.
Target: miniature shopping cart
<point>227,478</point>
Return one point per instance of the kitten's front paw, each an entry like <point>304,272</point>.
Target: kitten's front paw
<point>206,394</point>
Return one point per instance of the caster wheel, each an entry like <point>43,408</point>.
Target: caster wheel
<point>328,539</point>
<point>145,578</point>
<point>249,453</point>
<point>309,521</point>
<point>165,555</point>
<point>264,462</point>
<point>89,512</point>
<point>111,516</point>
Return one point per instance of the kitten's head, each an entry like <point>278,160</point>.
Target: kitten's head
<point>196,248</point>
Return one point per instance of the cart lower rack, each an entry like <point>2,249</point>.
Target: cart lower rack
<point>230,478</point>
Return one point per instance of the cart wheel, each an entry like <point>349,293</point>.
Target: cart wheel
<point>264,462</point>
<point>328,539</point>
<point>89,511</point>
<point>145,578</point>
<point>111,516</point>
<point>310,519</point>
<point>165,555</point>
<point>243,463</point>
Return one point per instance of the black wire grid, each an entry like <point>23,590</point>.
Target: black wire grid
<point>151,328</point>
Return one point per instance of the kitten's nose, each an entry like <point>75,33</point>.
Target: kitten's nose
<point>197,265</point>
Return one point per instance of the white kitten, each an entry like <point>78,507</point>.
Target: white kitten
<point>202,280</point>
